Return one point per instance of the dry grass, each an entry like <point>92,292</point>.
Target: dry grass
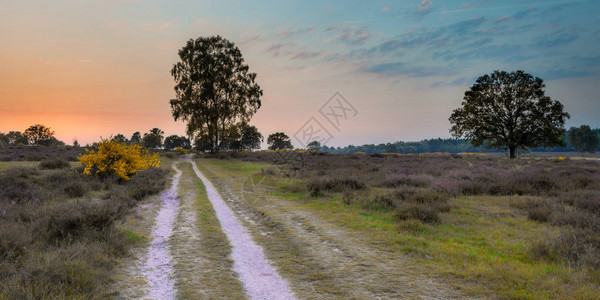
<point>58,237</point>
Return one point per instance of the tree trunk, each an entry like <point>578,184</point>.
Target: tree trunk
<point>513,152</point>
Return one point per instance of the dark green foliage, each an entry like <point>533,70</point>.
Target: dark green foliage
<point>214,89</point>
<point>16,138</point>
<point>175,141</point>
<point>120,138</point>
<point>314,146</point>
<point>250,137</point>
<point>583,139</point>
<point>3,140</point>
<point>136,138</point>
<point>279,141</point>
<point>509,111</point>
<point>153,139</point>
<point>54,163</point>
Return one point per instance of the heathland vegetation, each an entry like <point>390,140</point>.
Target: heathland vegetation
<point>522,228</point>
<point>58,237</point>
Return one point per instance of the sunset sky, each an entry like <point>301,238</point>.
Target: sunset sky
<point>95,68</point>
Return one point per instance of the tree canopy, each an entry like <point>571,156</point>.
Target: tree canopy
<point>314,146</point>
<point>279,141</point>
<point>214,89</point>
<point>153,139</point>
<point>17,138</point>
<point>136,138</point>
<point>174,141</point>
<point>509,111</point>
<point>250,137</point>
<point>36,134</point>
<point>583,139</point>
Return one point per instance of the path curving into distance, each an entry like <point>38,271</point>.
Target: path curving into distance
<point>259,278</point>
<point>158,266</point>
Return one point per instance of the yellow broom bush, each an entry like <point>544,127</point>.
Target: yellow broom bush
<point>114,158</point>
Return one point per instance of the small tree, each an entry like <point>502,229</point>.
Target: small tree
<point>510,111</point>
<point>279,141</point>
<point>250,137</point>
<point>314,146</point>
<point>3,139</point>
<point>175,141</point>
<point>136,138</point>
<point>120,138</point>
<point>37,133</point>
<point>17,138</point>
<point>153,139</point>
<point>583,139</point>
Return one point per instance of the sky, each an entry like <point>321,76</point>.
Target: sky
<point>358,72</point>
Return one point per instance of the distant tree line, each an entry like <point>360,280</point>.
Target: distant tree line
<point>459,145</point>
<point>34,135</point>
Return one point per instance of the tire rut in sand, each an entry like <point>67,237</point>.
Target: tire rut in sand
<point>260,280</point>
<point>158,267</point>
<point>203,268</point>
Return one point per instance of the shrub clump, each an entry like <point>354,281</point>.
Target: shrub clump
<point>54,163</point>
<point>318,185</point>
<point>120,159</point>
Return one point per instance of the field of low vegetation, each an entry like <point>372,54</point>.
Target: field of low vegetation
<point>524,228</point>
<point>58,237</point>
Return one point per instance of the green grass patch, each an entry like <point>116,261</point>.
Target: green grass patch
<point>132,236</point>
<point>246,168</point>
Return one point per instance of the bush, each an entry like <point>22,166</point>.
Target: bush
<point>146,182</point>
<point>426,213</point>
<point>573,246</point>
<point>114,158</point>
<point>19,190</point>
<point>54,163</point>
<point>318,185</point>
<point>81,217</point>
<point>578,219</point>
<point>15,237</point>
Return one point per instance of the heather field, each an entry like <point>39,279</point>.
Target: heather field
<point>331,226</point>
<point>59,230</point>
<point>485,225</point>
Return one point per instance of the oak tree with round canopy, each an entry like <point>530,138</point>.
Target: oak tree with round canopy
<point>214,89</point>
<point>279,141</point>
<point>38,133</point>
<point>509,111</point>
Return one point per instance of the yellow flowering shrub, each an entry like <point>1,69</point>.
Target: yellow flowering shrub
<point>182,150</point>
<point>114,158</point>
